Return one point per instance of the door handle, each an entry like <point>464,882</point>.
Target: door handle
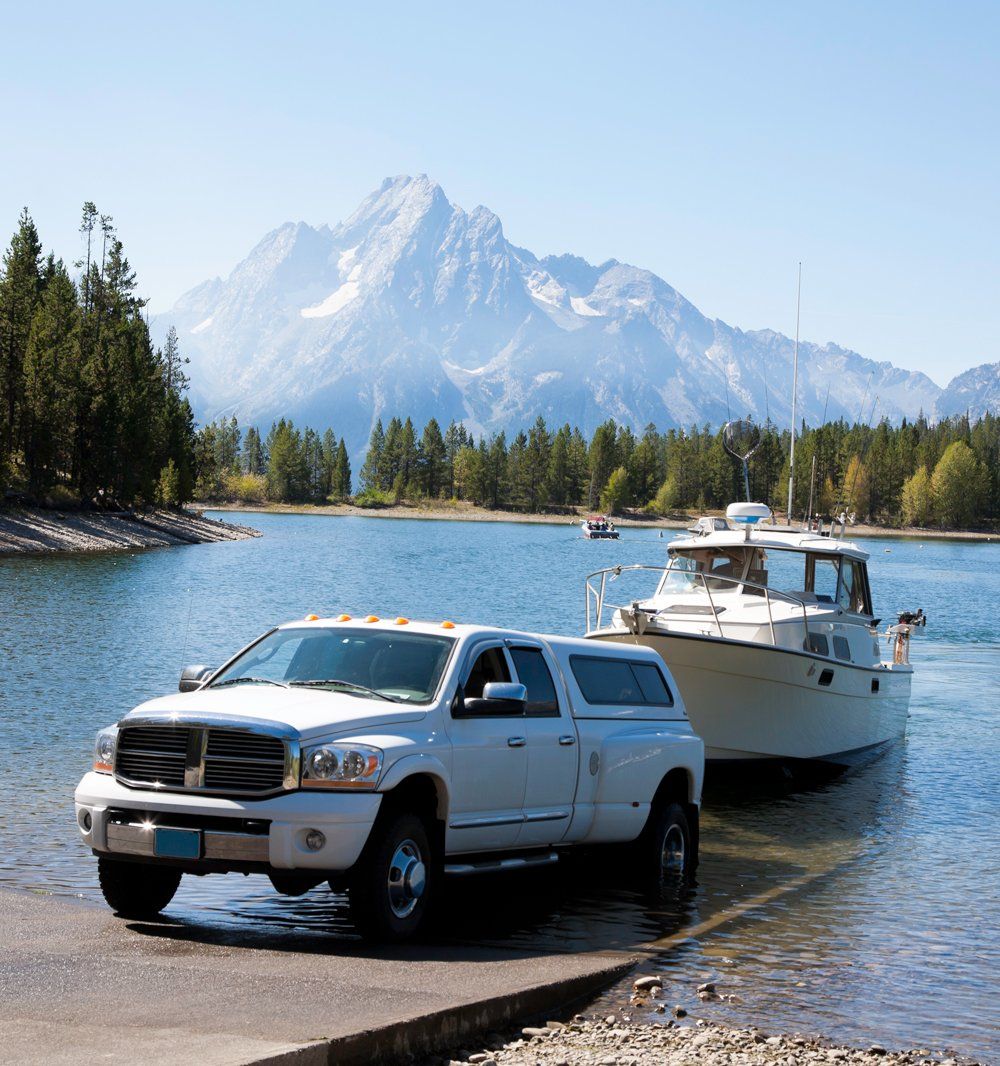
<point>516,742</point>
<point>567,740</point>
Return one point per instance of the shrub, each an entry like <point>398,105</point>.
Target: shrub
<point>375,498</point>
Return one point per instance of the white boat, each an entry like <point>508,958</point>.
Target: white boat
<point>770,635</point>
<point>599,527</point>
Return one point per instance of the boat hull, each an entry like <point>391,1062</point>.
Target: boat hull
<point>752,702</point>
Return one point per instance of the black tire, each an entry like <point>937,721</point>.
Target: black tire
<point>135,890</point>
<point>393,884</point>
<point>664,853</point>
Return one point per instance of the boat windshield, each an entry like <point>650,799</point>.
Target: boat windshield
<point>369,663</point>
<point>812,577</point>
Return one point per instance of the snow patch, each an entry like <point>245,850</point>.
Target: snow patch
<point>546,376</point>
<point>581,307</point>
<point>333,303</point>
<point>454,368</point>
<point>545,288</point>
<point>202,326</point>
<point>346,258</point>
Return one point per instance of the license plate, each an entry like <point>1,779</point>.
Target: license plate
<point>177,843</point>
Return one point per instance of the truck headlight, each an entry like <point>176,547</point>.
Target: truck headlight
<point>104,750</point>
<point>354,766</point>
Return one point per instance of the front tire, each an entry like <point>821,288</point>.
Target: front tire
<point>393,883</point>
<point>133,890</point>
<point>664,853</point>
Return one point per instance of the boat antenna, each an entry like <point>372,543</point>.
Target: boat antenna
<point>795,390</point>
<point>741,439</point>
<point>812,488</point>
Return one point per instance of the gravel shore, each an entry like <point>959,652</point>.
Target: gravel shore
<point>37,531</point>
<point>615,1041</point>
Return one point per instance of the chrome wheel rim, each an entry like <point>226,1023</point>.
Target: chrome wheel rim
<point>407,879</point>
<point>672,852</point>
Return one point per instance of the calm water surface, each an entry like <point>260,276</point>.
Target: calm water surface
<point>866,908</point>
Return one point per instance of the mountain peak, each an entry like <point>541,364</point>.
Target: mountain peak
<point>403,200</point>
<point>413,306</point>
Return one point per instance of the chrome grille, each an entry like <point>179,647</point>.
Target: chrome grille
<point>205,759</point>
<point>152,755</point>
<point>250,761</point>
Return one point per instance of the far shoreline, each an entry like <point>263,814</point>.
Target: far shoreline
<point>462,512</point>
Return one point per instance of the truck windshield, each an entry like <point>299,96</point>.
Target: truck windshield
<point>367,663</point>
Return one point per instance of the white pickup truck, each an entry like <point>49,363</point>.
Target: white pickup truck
<point>380,755</point>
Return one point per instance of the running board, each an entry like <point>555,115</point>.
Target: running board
<point>489,866</point>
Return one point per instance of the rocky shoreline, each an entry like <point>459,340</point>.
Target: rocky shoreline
<point>34,531</point>
<point>617,1041</point>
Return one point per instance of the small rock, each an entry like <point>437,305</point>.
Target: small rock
<point>645,984</point>
<point>679,1011</point>
<point>480,1056</point>
<point>876,1049</point>
<point>533,1030</point>
<point>660,1008</point>
<point>708,986</point>
<point>610,1020</point>
<point>705,997</point>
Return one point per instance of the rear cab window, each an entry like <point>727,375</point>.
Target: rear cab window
<point>620,682</point>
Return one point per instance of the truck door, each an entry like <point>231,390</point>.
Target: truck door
<point>489,762</point>
<point>553,752</point>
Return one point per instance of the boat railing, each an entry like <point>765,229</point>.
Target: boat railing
<point>597,602</point>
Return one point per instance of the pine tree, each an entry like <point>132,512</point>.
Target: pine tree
<point>51,364</point>
<point>371,469</point>
<point>20,291</point>
<point>433,459</point>
<point>342,473</point>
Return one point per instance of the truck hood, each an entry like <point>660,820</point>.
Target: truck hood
<point>312,712</point>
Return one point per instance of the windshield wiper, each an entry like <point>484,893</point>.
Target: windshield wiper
<point>249,681</point>
<point>323,682</point>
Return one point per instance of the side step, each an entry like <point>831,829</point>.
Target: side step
<point>490,866</point>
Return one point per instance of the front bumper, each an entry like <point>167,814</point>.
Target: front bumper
<point>236,834</point>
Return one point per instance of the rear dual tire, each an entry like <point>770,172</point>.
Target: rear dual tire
<point>664,853</point>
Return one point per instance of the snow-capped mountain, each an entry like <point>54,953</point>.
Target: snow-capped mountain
<point>413,306</point>
<point>975,392</point>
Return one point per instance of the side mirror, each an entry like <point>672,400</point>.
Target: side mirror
<point>193,677</point>
<point>499,699</point>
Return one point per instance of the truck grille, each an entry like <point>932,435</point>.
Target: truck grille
<point>202,759</point>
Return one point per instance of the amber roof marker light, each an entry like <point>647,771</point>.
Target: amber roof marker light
<point>447,625</point>
<point>312,618</point>
<point>371,618</point>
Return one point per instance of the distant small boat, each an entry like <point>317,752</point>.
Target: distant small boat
<point>599,527</point>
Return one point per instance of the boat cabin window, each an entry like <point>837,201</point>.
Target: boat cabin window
<point>723,569</point>
<point>851,595</point>
<point>814,577</point>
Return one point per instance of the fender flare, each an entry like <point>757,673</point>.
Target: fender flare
<point>423,764</point>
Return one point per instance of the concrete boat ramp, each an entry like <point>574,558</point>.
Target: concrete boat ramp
<point>78,985</point>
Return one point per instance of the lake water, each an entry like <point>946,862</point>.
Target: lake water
<point>863,909</point>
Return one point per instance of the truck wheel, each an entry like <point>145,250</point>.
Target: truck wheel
<point>392,883</point>
<point>132,890</point>
<point>664,852</point>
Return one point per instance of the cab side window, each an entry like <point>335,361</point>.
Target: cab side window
<point>489,666</point>
<point>533,673</point>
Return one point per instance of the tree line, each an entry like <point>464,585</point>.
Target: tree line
<point>287,466</point>
<point>915,473</point>
<point>90,411</point>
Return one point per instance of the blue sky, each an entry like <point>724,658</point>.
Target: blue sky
<point>715,143</point>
